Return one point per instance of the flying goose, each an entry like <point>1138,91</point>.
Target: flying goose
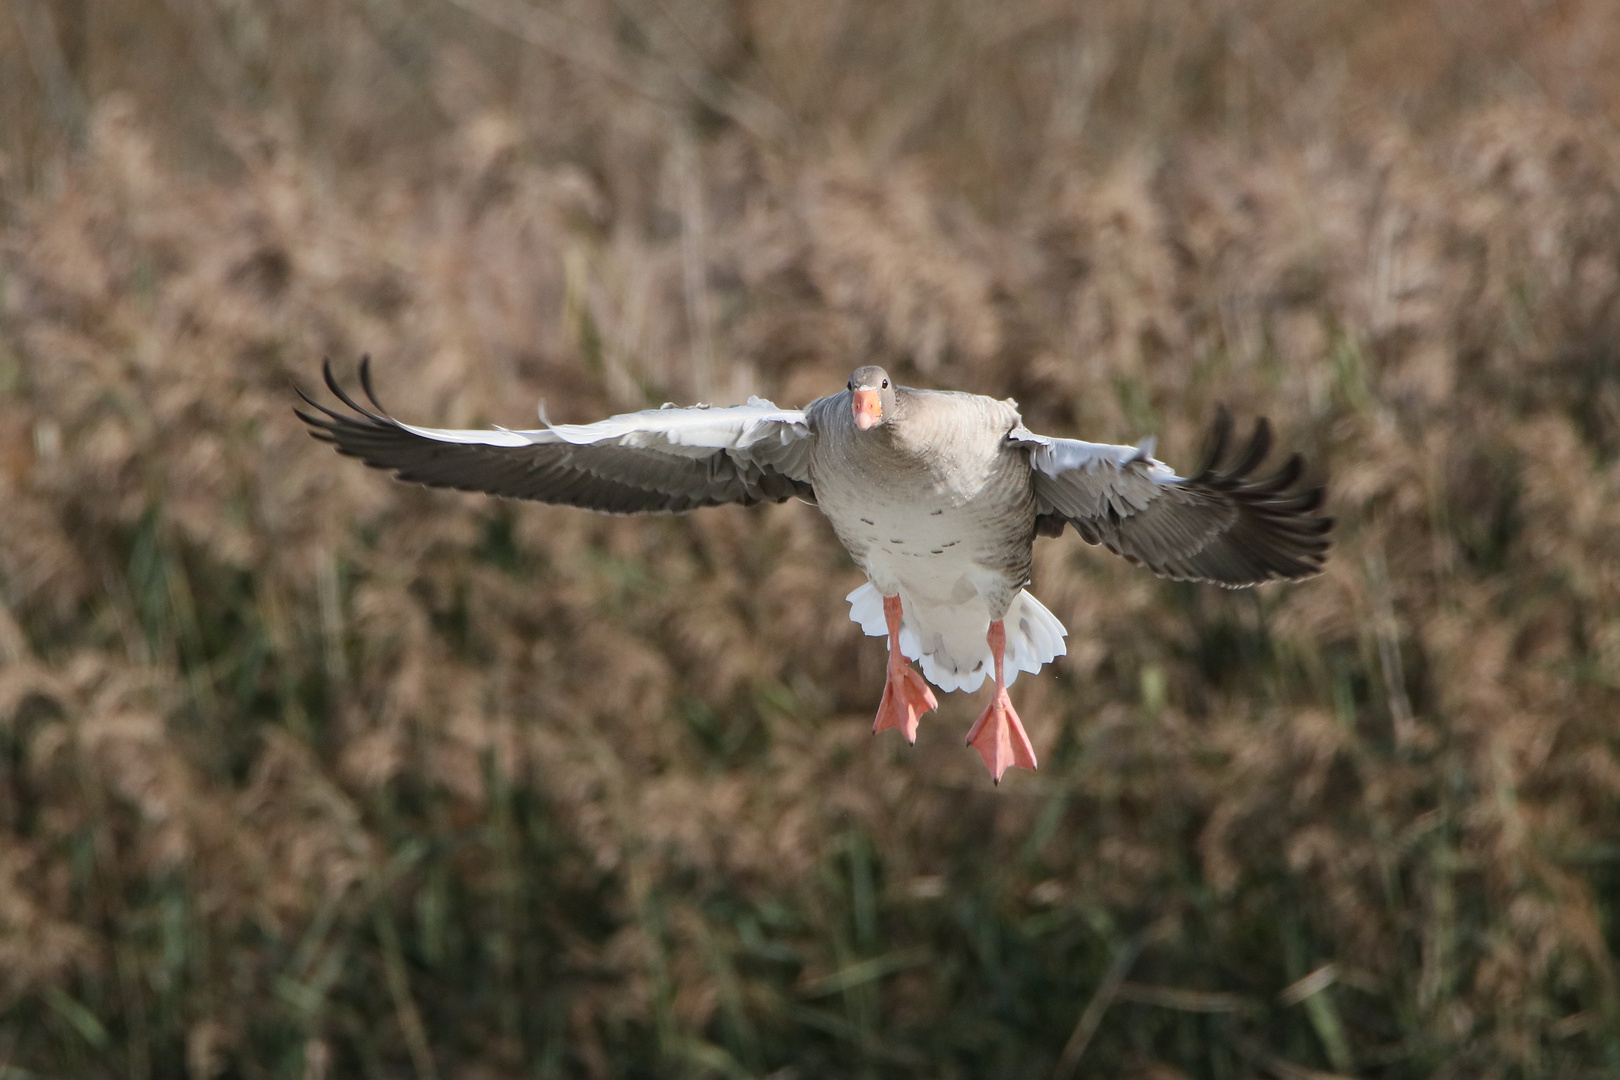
<point>937,495</point>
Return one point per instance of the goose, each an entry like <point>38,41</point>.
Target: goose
<point>938,496</point>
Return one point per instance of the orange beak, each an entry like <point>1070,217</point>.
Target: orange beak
<point>868,408</point>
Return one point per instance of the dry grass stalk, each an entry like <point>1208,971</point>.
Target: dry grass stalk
<point>303,772</point>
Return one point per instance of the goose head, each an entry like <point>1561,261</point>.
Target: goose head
<point>872,396</point>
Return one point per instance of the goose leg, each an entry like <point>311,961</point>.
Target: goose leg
<point>905,695</point>
<point>998,735</point>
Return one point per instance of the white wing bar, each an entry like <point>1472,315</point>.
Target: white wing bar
<point>701,428</point>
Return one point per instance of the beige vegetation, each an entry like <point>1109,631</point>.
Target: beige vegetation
<point>305,772</point>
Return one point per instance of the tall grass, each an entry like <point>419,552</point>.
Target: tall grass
<point>307,773</point>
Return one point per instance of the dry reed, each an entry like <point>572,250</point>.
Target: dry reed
<point>310,773</point>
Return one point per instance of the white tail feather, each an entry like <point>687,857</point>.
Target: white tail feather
<point>960,656</point>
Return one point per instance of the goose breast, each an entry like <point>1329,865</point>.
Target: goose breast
<point>937,504</point>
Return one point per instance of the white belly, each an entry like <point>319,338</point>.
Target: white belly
<point>949,640</point>
<point>941,562</point>
<point>928,553</point>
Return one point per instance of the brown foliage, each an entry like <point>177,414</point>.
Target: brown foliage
<point>304,767</point>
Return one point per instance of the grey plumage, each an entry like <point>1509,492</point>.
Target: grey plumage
<point>948,474</point>
<point>625,472</point>
<point>938,497</point>
<point>943,461</point>
<point>1221,525</point>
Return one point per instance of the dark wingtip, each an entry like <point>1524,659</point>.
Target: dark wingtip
<point>1253,454</point>
<point>1292,541</point>
<point>312,403</point>
<point>343,395</point>
<point>1285,477</point>
<point>1220,433</point>
<point>331,379</point>
<point>365,384</point>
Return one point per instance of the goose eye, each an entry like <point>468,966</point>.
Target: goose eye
<point>851,385</point>
<point>885,384</point>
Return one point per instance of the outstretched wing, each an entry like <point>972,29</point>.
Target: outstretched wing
<point>657,461</point>
<point>1222,524</point>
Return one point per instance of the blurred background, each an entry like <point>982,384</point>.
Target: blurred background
<point>308,773</point>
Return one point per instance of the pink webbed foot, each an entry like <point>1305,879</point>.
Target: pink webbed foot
<point>906,695</point>
<point>998,735</point>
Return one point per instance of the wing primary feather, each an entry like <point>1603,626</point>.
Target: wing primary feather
<point>1299,503</point>
<point>365,384</point>
<point>318,428</point>
<point>312,403</point>
<point>1259,446</point>
<point>1219,433</point>
<point>1283,478</point>
<point>343,395</point>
